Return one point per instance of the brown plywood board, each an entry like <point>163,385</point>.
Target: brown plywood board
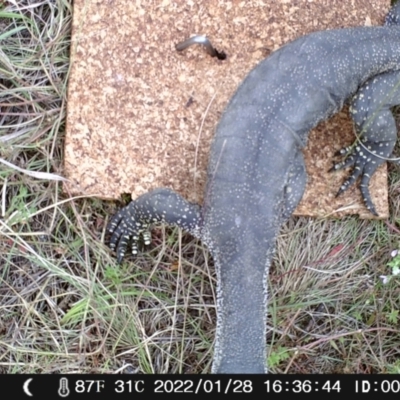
<point>142,115</point>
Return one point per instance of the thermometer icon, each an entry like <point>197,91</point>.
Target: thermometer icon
<point>63,390</point>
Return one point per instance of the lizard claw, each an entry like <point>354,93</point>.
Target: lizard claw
<point>125,226</point>
<point>364,163</point>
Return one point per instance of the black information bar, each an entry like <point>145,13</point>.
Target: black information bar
<point>133,386</point>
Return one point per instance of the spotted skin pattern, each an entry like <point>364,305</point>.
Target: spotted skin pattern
<point>374,125</point>
<point>159,206</point>
<point>256,174</point>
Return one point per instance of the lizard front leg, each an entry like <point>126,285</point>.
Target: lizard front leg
<point>364,160</point>
<point>376,131</point>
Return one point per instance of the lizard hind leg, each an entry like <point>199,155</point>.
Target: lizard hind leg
<point>158,206</point>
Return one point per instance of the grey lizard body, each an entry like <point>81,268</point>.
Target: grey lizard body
<point>256,174</point>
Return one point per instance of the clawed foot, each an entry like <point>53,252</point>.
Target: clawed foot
<point>127,225</point>
<point>161,205</point>
<point>364,159</point>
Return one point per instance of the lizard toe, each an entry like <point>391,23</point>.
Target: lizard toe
<point>126,227</point>
<point>343,151</point>
<point>348,162</point>
<point>350,180</point>
<point>365,164</point>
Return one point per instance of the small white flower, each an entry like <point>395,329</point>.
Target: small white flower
<point>385,279</point>
<point>394,253</point>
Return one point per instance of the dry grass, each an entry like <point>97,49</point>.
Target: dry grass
<point>66,306</point>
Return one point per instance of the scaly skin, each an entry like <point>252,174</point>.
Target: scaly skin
<point>376,129</point>
<point>256,174</point>
<point>374,124</point>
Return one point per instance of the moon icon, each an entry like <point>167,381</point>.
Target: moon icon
<point>25,387</point>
